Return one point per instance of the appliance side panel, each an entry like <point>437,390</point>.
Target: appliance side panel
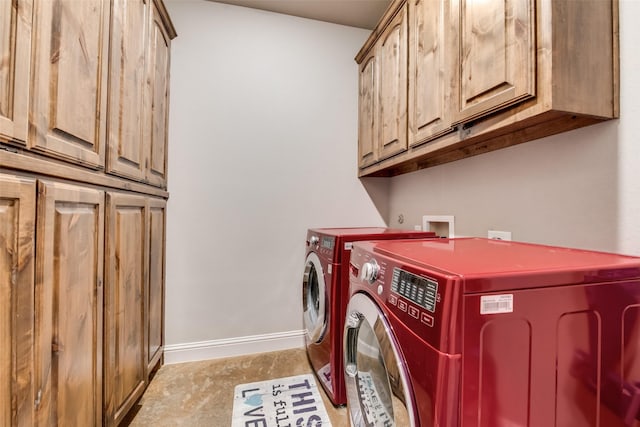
<point>563,357</point>
<point>578,380</point>
<point>504,372</point>
<point>499,364</point>
<point>630,362</point>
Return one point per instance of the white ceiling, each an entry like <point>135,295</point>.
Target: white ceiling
<point>355,13</point>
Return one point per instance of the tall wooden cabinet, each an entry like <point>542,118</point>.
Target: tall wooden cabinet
<point>83,103</point>
<point>154,321</point>
<point>483,76</point>
<point>68,301</point>
<point>17,251</point>
<point>125,363</point>
<point>134,297</point>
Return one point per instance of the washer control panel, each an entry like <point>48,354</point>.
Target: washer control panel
<point>422,291</point>
<point>322,245</point>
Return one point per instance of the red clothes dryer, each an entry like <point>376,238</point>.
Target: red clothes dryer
<point>486,333</point>
<point>325,289</point>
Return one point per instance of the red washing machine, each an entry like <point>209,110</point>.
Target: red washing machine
<point>486,333</point>
<point>325,289</point>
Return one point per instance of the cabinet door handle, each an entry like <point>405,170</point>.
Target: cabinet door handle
<point>36,404</point>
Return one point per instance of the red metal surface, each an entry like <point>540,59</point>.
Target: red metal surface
<point>567,355</point>
<point>329,349</point>
<point>494,265</point>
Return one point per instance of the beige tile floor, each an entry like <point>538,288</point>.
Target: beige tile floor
<point>200,394</point>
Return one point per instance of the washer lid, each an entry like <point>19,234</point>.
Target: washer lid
<point>487,265</point>
<point>344,237</point>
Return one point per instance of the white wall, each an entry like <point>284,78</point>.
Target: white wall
<point>263,128</point>
<point>263,146</point>
<point>579,189</point>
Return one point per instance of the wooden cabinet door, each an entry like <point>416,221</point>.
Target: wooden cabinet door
<point>68,339</point>
<point>69,108</point>
<point>392,103</point>
<point>367,107</point>
<point>15,54</point>
<point>497,49</point>
<point>155,290</point>
<point>429,70</point>
<point>127,149</point>
<point>126,277</point>
<point>17,227</point>
<point>157,103</point>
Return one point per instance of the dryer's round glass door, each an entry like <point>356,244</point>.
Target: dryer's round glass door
<point>377,388</point>
<point>314,298</point>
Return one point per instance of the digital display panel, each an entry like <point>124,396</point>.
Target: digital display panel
<point>328,242</point>
<point>419,290</point>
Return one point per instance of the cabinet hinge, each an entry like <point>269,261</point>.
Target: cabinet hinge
<point>464,129</point>
<point>9,149</point>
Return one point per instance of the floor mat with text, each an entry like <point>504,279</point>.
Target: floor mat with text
<point>281,402</point>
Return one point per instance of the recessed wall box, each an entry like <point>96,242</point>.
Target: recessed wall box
<point>442,225</point>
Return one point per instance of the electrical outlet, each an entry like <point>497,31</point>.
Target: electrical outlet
<point>499,235</point>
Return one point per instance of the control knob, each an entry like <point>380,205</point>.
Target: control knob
<point>314,240</point>
<point>369,271</point>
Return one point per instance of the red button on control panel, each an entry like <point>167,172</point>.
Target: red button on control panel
<point>427,319</point>
<point>402,305</point>
<point>393,300</point>
<point>414,312</point>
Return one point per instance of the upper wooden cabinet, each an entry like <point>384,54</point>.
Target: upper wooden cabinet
<point>367,113</point>
<point>392,97</point>
<point>15,54</point>
<point>383,93</point>
<point>487,75</point>
<point>17,252</point>
<point>496,54</point>
<point>139,91</point>
<point>69,80</point>
<point>430,104</point>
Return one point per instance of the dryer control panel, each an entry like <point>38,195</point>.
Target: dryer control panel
<point>423,300</point>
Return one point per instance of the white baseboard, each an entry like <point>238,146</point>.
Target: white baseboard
<point>216,349</point>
